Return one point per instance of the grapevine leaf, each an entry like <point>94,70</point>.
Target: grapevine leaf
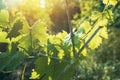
<point>25,26</point>
<point>61,54</point>
<point>3,55</point>
<point>95,42</point>
<point>25,42</point>
<point>4,17</point>
<point>54,39</point>
<point>84,52</point>
<point>53,70</point>
<point>85,26</point>
<point>102,22</point>
<point>10,62</point>
<point>67,41</point>
<point>15,30</point>
<point>77,37</point>
<point>95,15</point>
<point>61,35</point>
<point>42,67</point>
<point>57,39</point>
<point>14,47</point>
<point>77,41</point>
<point>58,70</point>
<point>79,32</point>
<point>3,36</point>
<point>39,32</point>
<point>15,60</point>
<point>51,48</point>
<point>103,33</point>
<point>110,2</point>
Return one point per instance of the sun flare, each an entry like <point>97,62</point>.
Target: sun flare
<point>13,2</point>
<point>42,3</point>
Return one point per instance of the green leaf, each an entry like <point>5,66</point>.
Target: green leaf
<point>77,41</point>
<point>60,70</point>
<point>25,28</point>
<point>79,32</point>
<point>54,70</point>
<point>10,62</point>
<point>14,47</point>
<point>25,43</point>
<point>15,60</point>
<point>4,17</point>
<point>3,36</point>
<point>51,48</point>
<point>3,55</point>
<point>39,32</point>
<point>110,2</point>
<point>77,36</point>
<point>42,67</point>
<point>15,30</point>
<point>67,40</point>
<point>96,40</point>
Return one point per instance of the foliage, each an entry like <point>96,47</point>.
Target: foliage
<point>62,56</point>
<point>103,65</point>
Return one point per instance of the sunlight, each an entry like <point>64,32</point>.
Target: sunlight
<point>42,3</point>
<point>13,2</point>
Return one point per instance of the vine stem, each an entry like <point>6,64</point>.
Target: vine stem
<point>70,27</point>
<point>23,72</point>
<point>52,57</point>
<point>72,40</point>
<point>81,49</point>
<point>31,37</point>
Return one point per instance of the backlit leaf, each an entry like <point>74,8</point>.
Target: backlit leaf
<point>3,36</point>
<point>110,2</point>
<point>4,17</point>
<point>104,33</point>
<point>61,54</point>
<point>38,31</point>
<point>86,25</point>
<point>15,30</point>
<point>95,15</point>
<point>10,62</point>
<point>102,22</point>
<point>95,42</point>
<point>84,52</point>
<point>25,42</point>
